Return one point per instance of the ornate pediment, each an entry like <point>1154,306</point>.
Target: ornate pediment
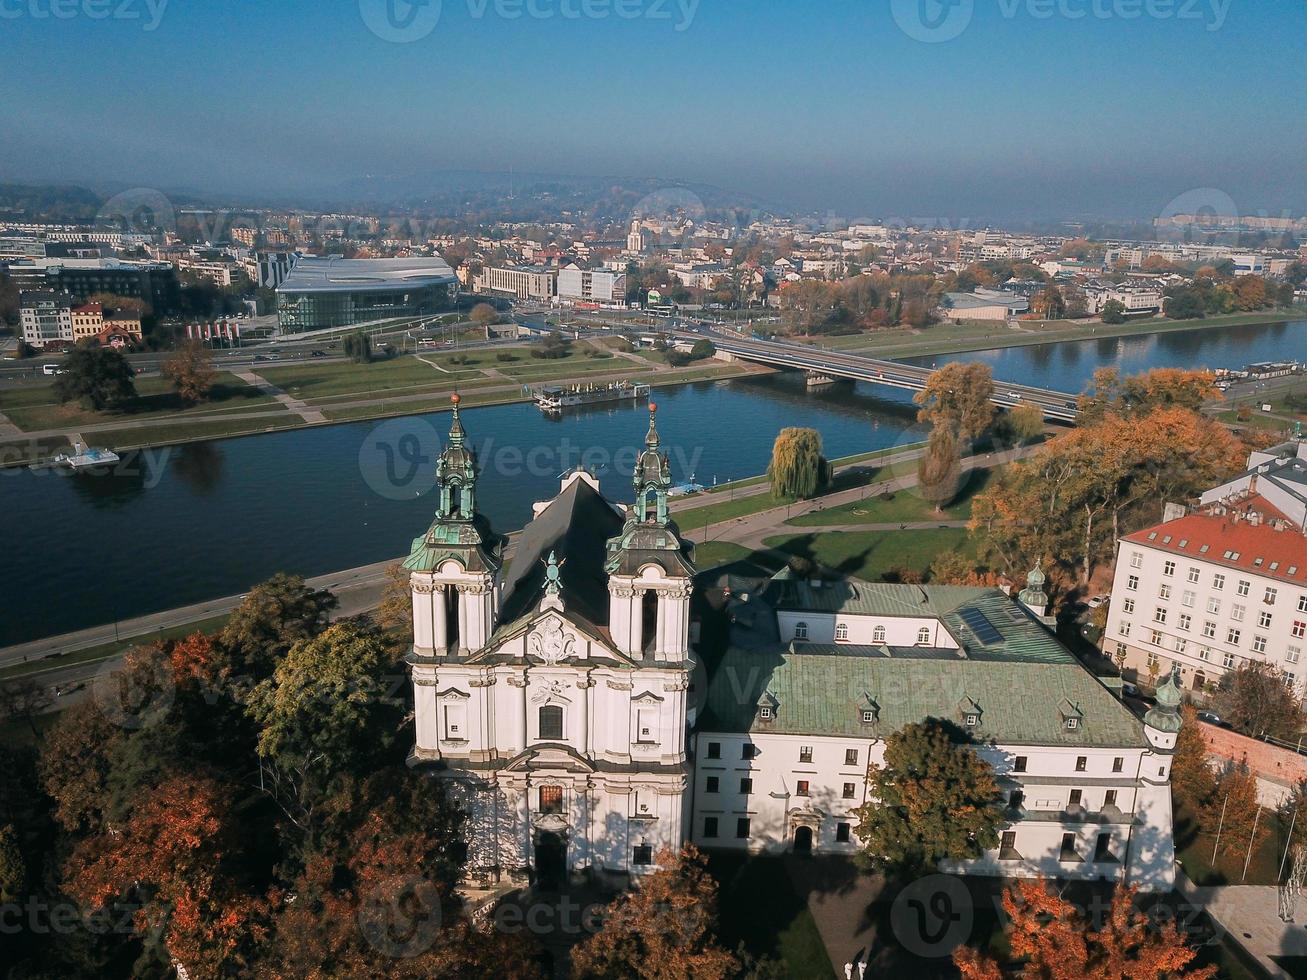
<point>550,641</point>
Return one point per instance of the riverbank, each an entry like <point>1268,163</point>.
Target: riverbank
<point>947,338</point>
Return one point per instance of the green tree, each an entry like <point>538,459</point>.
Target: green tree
<point>1113,311</point>
<point>1258,699</point>
<point>191,372</point>
<point>483,315</point>
<point>798,470</point>
<point>271,618</point>
<point>13,867</point>
<point>1192,779</point>
<point>1185,304</point>
<point>358,347</point>
<point>932,799</point>
<point>97,378</point>
<point>939,470</point>
<point>958,395</point>
<point>1025,423</point>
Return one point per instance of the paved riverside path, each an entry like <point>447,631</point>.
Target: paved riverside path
<point>1250,915</point>
<point>309,415</point>
<point>358,589</point>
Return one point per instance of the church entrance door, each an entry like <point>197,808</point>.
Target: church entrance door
<point>551,860</point>
<point>803,840</point>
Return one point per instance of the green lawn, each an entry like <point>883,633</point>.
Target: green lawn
<point>1194,851</point>
<point>38,408</point>
<point>871,555</point>
<point>903,506</point>
<point>713,553</point>
<point>159,435</point>
<point>759,907</point>
<point>309,381</point>
<point>19,452</point>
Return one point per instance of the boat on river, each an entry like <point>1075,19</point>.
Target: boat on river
<point>555,398</point>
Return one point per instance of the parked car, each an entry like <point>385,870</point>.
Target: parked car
<point>318,353</point>
<point>1094,601</point>
<point>259,357</point>
<point>1129,690</point>
<point>1212,718</point>
<point>51,369</point>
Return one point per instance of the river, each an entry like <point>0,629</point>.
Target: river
<point>181,525</point>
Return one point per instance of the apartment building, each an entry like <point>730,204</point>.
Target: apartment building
<point>523,282</point>
<point>577,285</point>
<point>46,317</point>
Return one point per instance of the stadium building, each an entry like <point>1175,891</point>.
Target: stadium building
<point>328,291</point>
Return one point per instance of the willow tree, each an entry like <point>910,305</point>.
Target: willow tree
<point>798,469</point>
<point>939,471</point>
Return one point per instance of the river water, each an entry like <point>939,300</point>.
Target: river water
<point>190,523</point>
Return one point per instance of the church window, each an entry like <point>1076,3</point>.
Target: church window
<point>649,617</point>
<point>551,799</point>
<point>643,855</point>
<point>551,721</point>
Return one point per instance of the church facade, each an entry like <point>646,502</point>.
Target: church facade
<point>559,696</point>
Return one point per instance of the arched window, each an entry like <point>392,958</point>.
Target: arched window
<point>551,721</point>
<point>878,635</point>
<point>649,618</point>
<point>800,631</point>
<point>923,635</point>
<point>842,631</point>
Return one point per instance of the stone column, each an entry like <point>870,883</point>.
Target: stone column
<point>423,641</point>
<point>521,730</point>
<point>440,637</point>
<point>637,622</point>
<point>583,716</point>
<point>462,619</point>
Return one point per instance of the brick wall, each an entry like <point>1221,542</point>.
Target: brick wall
<point>1280,768</point>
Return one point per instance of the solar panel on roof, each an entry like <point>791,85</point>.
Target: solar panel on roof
<point>980,625</point>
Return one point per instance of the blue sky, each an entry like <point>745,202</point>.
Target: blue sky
<point>1036,107</point>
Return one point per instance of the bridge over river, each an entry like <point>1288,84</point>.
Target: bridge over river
<point>1056,405</point>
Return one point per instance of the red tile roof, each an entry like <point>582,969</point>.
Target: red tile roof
<point>1254,548</point>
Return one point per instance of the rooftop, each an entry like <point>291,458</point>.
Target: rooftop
<point>323,274</point>
<point>1239,544</point>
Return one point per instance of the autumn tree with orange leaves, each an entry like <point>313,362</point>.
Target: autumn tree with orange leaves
<point>1051,938</point>
<point>666,929</point>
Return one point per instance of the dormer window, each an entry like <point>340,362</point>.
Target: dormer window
<point>1072,724</point>
<point>868,716</point>
<point>878,635</point>
<point>800,631</point>
<point>972,720</point>
<point>765,713</point>
<point>842,632</point>
<point>923,635</point>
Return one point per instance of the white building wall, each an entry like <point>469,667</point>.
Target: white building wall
<point>904,631</point>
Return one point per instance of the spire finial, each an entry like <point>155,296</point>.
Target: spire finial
<point>456,426</point>
<point>651,438</point>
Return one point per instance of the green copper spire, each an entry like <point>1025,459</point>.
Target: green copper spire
<point>1165,715</point>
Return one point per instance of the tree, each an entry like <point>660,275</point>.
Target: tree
<point>13,867</point>
<point>325,711</point>
<point>1184,304</point>
<point>273,617</point>
<point>798,470</point>
<point>357,347</point>
<point>665,930</point>
<point>1113,311</point>
<point>191,372</point>
<point>97,378</point>
<point>74,765</point>
<point>1234,811</point>
<point>395,612</point>
<point>22,699</point>
<point>1025,423</point>
<point>933,798</point>
<point>483,315</point>
<point>939,470</point>
<point>958,395</point>
<point>1192,780</point>
<point>955,568</point>
<point>1258,699</point>
<point>554,347</point>
<point>175,856</point>
<point>1050,937</point>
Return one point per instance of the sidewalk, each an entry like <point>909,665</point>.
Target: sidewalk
<point>1250,915</point>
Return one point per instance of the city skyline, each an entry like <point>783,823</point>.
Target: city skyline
<point>868,113</point>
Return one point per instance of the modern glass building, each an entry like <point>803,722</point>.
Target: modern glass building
<point>328,291</point>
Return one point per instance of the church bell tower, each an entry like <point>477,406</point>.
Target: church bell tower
<point>454,567</point>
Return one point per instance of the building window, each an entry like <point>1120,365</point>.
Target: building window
<point>1082,763</point>
<point>1068,852</point>
<point>1136,559</point>
<point>1128,606</point>
<point>551,721</point>
<point>1204,653</point>
<point>923,635</point>
<point>1121,649</point>
<point>842,833</point>
<point>800,631</point>
<point>1227,660</point>
<point>1185,621</point>
<point>1209,629</point>
<point>1232,637</point>
<point>551,799</point>
<point>1019,765</point>
<point>746,785</point>
<point>850,757</point>
<point>850,790</point>
<point>742,828</point>
<point>1168,568</point>
<point>1270,596</point>
<point>1016,799</point>
<point>1152,659</point>
<point>714,750</point>
<point>1072,724</point>
<point>1188,598</point>
<point>1299,629</point>
<point>1180,644</point>
<point>1193,574</point>
<point>878,635</point>
<point>764,712</point>
<point>711,784</point>
<point>868,716</point>
<point>1236,612</point>
<point>1124,628</point>
<point>805,753</point>
<point>1159,614</point>
<point>1213,605</point>
<point>1103,848</point>
<point>748,750</point>
<point>1164,591</point>
<point>643,855</point>
<point>801,789</point>
<point>1259,644</point>
<point>1118,764</point>
<point>1132,583</point>
<point>972,720</point>
<point>1218,582</point>
<point>1109,798</point>
<point>842,632</point>
<point>1292,654</point>
<point>1156,638</point>
<point>1244,586</point>
<point>1302,603</point>
<point>1075,798</point>
<point>710,826</point>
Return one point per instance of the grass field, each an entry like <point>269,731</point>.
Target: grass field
<point>18,452</point>
<point>713,553</point>
<point>309,381</point>
<point>163,435</point>
<point>904,506</point>
<point>872,555</point>
<point>38,408</point>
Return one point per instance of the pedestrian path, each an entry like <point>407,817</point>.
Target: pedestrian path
<point>8,430</point>
<point>1250,916</point>
<point>292,404</point>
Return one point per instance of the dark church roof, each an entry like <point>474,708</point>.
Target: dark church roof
<point>575,527</point>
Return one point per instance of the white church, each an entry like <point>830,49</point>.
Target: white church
<point>559,692</point>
